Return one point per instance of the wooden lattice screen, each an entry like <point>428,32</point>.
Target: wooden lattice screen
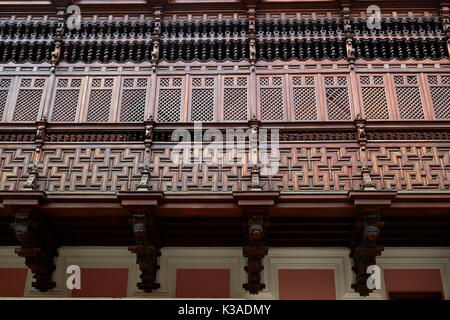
<point>30,99</point>
<point>337,97</point>
<point>67,100</point>
<point>272,98</point>
<point>440,95</point>
<point>170,93</point>
<point>408,96</point>
<point>373,94</point>
<point>133,99</point>
<point>235,98</point>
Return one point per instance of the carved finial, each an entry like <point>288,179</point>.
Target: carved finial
<point>255,173</point>
<point>33,174</point>
<point>145,177</point>
<point>367,184</point>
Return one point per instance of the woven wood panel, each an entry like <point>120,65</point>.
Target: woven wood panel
<point>203,98</point>
<point>271,98</point>
<point>304,97</point>
<point>29,99</point>
<point>374,97</point>
<point>440,95</point>
<point>100,100</point>
<point>5,85</point>
<point>337,97</point>
<point>408,97</point>
<point>170,99</point>
<point>235,98</point>
<point>67,100</point>
<point>134,94</point>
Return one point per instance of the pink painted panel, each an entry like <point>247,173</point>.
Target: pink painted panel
<point>306,284</point>
<point>203,283</point>
<point>413,280</point>
<point>12,282</point>
<point>108,283</point>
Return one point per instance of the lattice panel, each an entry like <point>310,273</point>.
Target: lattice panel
<point>440,95</point>
<point>271,98</point>
<point>29,99</point>
<point>134,94</point>
<point>374,97</point>
<point>410,167</point>
<point>235,98</point>
<point>86,169</point>
<point>408,97</point>
<point>203,99</point>
<point>305,98</point>
<point>337,97</point>
<point>100,100</point>
<point>170,93</point>
<point>14,162</point>
<point>5,85</point>
<point>67,100</point>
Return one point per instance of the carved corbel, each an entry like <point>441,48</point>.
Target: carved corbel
<point>38,246</point>
<point>364,247</point>
<point>255,211</point>
<point>256,183</point>
<point>147,245</point>
<point>256,248</point>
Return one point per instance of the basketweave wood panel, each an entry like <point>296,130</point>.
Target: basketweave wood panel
<point>235,104</point>
<point>29,99</point>
<point>133,99</point>
<point>408,96</point>
<point>67,99</point>
<point>272,98</point>
<point>373,96</point>
<point>439,88</point>
<point>100,99</point>
<point>337,97</point>
<point>14,162</point>
<point>170,99</point>
<point>5,89</point>
<point>410,166</point>
<point>304,97</point>
<point>203,98</point>
<point>106,168</point>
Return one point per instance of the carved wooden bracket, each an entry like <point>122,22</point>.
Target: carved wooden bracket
<point>366,233</point>
<point>255,210</point>
<point>38,246</point>
<point>147,245</point>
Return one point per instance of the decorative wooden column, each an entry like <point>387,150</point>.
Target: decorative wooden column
<point>147,245</point>
<point>38,245</point>
<point>366,233</point>
<point>255,207</point>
